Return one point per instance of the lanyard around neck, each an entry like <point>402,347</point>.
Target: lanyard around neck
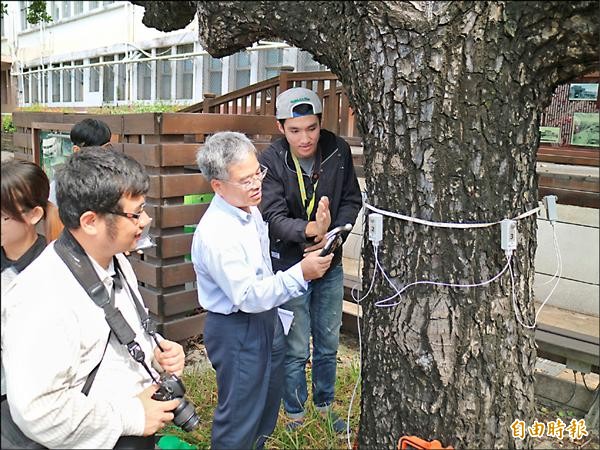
<point>311,204</point>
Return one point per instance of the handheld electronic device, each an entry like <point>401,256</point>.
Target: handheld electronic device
<point>334,238</point>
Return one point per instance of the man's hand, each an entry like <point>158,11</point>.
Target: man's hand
<point>172,358</point>
<point>314,266</point>
<point>323,218</point>
<point>318,227</point>
<point>156,413</point>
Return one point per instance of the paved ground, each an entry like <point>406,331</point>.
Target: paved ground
<point>7,156</point>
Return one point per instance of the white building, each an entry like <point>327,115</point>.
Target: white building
<point>99,53</point>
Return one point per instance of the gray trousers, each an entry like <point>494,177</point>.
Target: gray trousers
<point>247,352</point>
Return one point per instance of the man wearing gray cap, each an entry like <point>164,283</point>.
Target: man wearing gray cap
<point>310,188</point>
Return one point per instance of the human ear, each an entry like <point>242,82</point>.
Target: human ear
<point>217,186</point>
<point>88,223</point>
<point>280,127</point>
<point>35,215</point>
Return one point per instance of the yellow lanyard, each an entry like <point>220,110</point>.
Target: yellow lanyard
<point>311,205</point>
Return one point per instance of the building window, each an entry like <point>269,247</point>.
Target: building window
<point>163,75</point>
<point>77,8</point>
<point>25,88</point>
<point>185,73</point>
<point>144,81</point>
<point>242,69</point>
<point>307,63</point>
<point>121,79</point>
<point>66,9</point>
<point>108,83</point>
<point>55,75</point>
<point>23,12</point>
<point>273,62</point>
<point>93,5</point>
<point>78,81</point>
<point>55,11</point>
<point>35,87</point>
<point>214,74</point>
<point>108,2</point>
<point>44,76</point>
<point>67,79</point>
<point>95,75</point>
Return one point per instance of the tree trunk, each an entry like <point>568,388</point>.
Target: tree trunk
<point>448,97</point>
<point>448,363</point>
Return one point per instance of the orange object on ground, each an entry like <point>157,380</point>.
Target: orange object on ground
<point>414,442</point>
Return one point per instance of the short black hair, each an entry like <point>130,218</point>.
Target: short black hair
<point>24,187</point>
<point>90,133</point>
<point>95,179</point>
<point>303,109</point>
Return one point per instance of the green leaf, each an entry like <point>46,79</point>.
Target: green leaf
<point>36,12</point>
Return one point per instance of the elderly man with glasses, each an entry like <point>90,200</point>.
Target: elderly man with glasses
<point>236,284</point>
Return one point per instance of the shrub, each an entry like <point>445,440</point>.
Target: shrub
<point>7,123</point>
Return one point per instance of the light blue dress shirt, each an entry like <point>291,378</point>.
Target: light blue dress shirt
<point>230,252</point>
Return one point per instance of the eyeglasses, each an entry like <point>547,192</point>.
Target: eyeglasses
<point>249,184</point>
<point>134,216</point>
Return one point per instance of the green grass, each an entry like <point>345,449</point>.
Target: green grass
<point>133,108</point>
<point>316,432</point>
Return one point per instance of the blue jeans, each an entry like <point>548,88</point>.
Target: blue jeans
<point>319,312</point>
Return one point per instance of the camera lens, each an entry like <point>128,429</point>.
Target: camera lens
<point>185,416</point>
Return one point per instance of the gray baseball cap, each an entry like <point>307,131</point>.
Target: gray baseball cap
<point>288,100</point>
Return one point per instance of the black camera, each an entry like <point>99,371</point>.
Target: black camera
<point>171,387</point>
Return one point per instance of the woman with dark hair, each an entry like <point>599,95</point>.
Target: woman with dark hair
<point>24,199</point>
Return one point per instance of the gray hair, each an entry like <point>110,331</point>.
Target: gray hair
<point>220,151</point>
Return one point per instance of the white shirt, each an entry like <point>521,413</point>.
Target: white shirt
<point>53,335</point>
<point>230,252</point>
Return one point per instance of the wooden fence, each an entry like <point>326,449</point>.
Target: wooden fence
<point>166,144</point>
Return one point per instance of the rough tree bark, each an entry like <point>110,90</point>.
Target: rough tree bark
<point>448,97</point>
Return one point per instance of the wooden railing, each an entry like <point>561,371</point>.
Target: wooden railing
<point>259,99</point>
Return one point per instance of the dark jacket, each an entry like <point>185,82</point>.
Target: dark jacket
<point>281,204</point>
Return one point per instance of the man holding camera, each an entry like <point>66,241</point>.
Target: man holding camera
<point>310,187</point>
<point>242,333</point>
<point>71,382</point>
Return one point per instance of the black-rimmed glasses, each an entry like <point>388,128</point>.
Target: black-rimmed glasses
<point>134,216</point>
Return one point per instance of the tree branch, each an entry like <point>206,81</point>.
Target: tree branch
<point>167,15</point>
<point>557,31</point>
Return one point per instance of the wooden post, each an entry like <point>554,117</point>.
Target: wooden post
<point>207,102</point>
<point>284,82</point>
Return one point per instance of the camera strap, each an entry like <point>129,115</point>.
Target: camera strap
<point>78,262</point>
